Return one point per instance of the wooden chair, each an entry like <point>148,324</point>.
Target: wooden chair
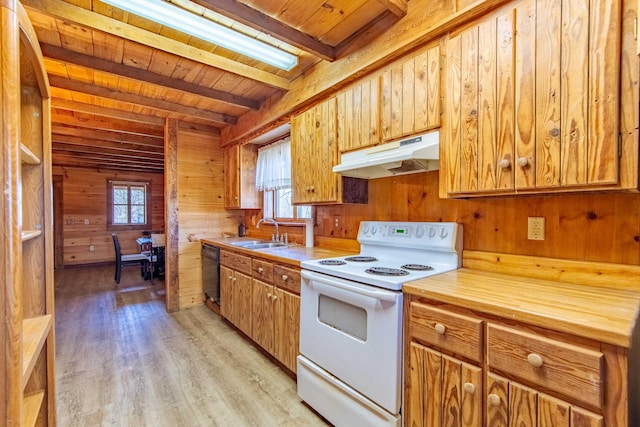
<point>142,259</point>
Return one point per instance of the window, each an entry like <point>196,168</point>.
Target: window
<point>273,176</point>
<point>127,204</point>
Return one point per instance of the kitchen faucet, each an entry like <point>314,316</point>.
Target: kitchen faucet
<point>272,221</point>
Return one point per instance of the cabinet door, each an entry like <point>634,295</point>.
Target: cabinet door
<point>528,106</point>
<point>262,323</point>
<point>227,294</point>
<point>358,115</point>
<point>511,404</point>
<point>443,390</point>
<point>411,95</point>
<point>232,177</point>
<point>242,302</point>
<point>287,328</point>
<point>314,152</point>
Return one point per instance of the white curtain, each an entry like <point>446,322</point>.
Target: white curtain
<point>274,166</point>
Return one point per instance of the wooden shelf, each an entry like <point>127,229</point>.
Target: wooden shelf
<point>27,157</point>
<point>30,234</point>
<point>34,334</point>
<point>32,404</point>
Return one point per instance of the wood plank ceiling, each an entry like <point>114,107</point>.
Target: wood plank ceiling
<point>116,77</point>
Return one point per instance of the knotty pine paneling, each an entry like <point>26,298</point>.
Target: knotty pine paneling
<point>84,194</point>
<point>602,227</point>
<point>201,210</point>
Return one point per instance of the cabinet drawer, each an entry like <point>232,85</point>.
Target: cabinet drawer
<point>262,270</point>
<point>236,261</point>
<point>287,278</point>
<point>455,333</point>
<point>574,371</point>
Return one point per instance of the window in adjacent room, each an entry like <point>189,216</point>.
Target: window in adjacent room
<point>273,177</point>
<point>128,204</point>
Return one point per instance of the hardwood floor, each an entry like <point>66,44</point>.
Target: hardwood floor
<point>122,360</point>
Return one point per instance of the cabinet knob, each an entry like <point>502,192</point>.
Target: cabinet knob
<point>493,399</point>
<point>440,329</point>
<point>269,295</point>
<point>469,388</point>
<point>260,270</point>
<point>535,360</point>
<point>274,296</point>
<point>523,161</point>
<point>505,163</point>
<point>312,189</point>
<point>285,277</point>
<point>230,277</point>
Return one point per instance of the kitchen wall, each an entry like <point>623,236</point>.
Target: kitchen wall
<point>84,196</point>
<point>586,226</point>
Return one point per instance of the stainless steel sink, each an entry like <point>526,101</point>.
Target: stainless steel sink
<point>257,244</point>
<point>264,245</point>
<point>245,243</point>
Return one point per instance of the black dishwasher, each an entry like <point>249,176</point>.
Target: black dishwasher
<point>211,272</point>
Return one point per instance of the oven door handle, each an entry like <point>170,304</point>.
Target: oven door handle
<point>379,295</point>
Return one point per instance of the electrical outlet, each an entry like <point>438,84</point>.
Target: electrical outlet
<point>536,228</point>
<point>92,248</point>
<point>86,221</point>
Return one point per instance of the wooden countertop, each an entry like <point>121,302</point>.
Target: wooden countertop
<point>292,255</point>
<point>607,314</point>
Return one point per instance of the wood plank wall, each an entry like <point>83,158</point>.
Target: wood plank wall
<point>201,210</point>
<point>601,227</point>
<point>85,197</point>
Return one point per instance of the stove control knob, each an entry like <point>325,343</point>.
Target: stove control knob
<point>419,231</point>
<point>374,230</point>
<point>365,228</point>
<point>443,233</point>
<point>432,232</point>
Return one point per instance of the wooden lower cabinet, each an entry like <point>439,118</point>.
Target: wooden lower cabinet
<point>516,374</point>
<point>263,301</point>
<point>235,297</point>
<point>513,404</point>
<point>444,391</point>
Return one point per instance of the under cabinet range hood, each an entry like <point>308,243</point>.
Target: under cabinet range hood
<point>419,153</point>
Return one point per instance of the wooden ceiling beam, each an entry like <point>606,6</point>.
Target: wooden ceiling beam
<point>143,101</point>
<point>70,57</point>
<point>107,158</point>
<point>60,147</point>
<point>87,132</point>
<point>108,145</point>
<point>81,107</point>
<point>70,13</point>
<point>72,162</point>
<point>151,135</point>
<point>397,7</point>
<point>264,23</point>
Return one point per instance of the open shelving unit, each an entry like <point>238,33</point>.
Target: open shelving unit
<point>26,221</point>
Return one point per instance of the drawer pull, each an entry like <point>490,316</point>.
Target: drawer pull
<point>535,360</point>
<point>285,277</point>
<point>260,270</point>
<point>493,399</point>
<point>440,329</point>
<point>469,388</point>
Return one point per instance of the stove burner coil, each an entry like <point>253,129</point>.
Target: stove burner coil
<point>417,267</point>
<point>332,262</point>
<point>361,258</point>
<point>384,271</point>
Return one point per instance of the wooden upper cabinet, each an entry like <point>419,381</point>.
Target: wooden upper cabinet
<point>410,95</point>
<point>314,153</point>
<point>240,178</point>
<point>359,115</point>
<point>533,101</point>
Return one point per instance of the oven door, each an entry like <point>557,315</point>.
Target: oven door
<point>354,332</point>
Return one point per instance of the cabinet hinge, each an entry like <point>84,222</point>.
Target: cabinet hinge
<point>619,145</point>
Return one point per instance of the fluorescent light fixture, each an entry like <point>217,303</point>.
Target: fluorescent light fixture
<point>179,19</point>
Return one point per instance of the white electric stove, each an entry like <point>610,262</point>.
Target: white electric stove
<point>351,319</point>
